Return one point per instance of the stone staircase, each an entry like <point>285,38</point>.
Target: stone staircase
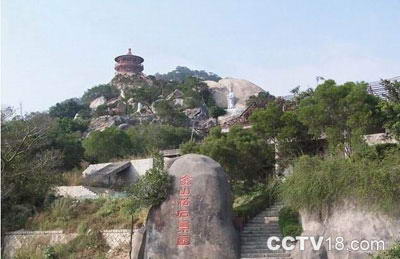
<point>256,232</point>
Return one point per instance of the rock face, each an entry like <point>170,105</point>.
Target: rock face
<point>196,220</point>
<point>351,222</point>
<point>242,90</point>
<point>97,102</point>
<point>103,122</point>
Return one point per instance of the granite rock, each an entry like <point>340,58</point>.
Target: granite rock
<point>210,228</point>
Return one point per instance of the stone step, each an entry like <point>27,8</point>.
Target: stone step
<point>266,218</point>
<point>256,232</point>
<point>261,251</point>
<point>261,236</point>
<point>268,255</point>
<point>256,240</point>
<point>261,226</point>
<point>260,231</point>
<point>255,246</point>
<point>262,221</point>
<point>270,210</point>
<point>253,242</point>
<point>268,214</point>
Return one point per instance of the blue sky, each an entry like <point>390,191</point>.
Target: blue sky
<point>56,49</point>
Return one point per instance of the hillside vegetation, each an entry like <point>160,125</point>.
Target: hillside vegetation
<point>319,131</point>
<point>318,183</point>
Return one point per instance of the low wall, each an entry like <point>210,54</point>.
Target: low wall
<point>349,221</point>
<point>117,239</point>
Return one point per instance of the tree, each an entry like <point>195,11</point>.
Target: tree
<point>243,155</point>
<point>66,137</point>
<point>343,113</point>
<point>283,129</point>
<point>260,100</point>
<point>390,107</point>
<point>181,73</point>
<point>168,113</point>
<point>28,166</point>
<point>66,109</point>
<point>148,138</point>
<point>101,146</point>
<point>393,90</point>
<point>196,93</point>
<point>216,111</point>
<point>144,93</point>
<point>268,122</point>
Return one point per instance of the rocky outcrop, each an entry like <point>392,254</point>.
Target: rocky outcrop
<point>198,114</point>
<point>379,138</point>
<point>242,90</point>
<point>350,222</point>
<point>103,122</point>
<point>196,220</point>
<point>97,102</point>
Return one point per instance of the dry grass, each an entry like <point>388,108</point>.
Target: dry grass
<point>79,216</point>
<point>73,177</point>
<point>32,250</point>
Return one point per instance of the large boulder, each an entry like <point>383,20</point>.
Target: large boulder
<point>196,220</point>
<point>241,88</point>
<point>97,102</point>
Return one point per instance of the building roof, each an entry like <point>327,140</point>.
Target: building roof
<point>377,89</point>
<point>130,55</point>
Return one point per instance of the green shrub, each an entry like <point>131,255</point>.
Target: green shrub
<point>152,188</point>
<point>250,203</point>
<point>292,230</point>
<point>243,155</point>
<point>289,222</point>
<point>66,109</point>
<point>49,253</point>
<point>317,183</point>
<point>16,217</point>
<point>147,138</point>
<point>392,253</point>
<point>101,110</point>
